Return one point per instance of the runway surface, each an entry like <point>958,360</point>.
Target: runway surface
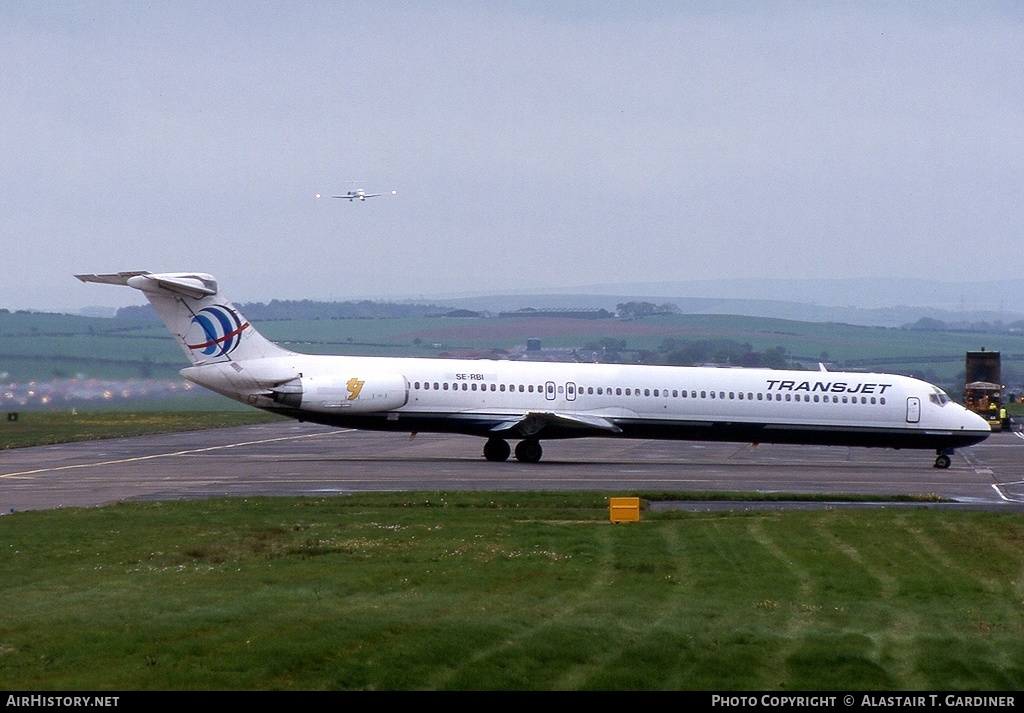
<point>302,459</point>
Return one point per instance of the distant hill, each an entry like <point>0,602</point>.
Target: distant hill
<point>861,293</point>
<point>311,309</point>
<point>862,301</point>
<point>801,312</point>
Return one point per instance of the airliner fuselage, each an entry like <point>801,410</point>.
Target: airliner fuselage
<point>504,399</point>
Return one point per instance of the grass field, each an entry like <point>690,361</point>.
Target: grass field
<point>505,592</point>
<point>37,428</point>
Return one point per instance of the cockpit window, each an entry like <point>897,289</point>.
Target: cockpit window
<point>938,397</point>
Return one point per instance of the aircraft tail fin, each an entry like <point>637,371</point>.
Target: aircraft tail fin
<point>207,327</point>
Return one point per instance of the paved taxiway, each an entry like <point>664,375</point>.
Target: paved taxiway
<point>302,459</point>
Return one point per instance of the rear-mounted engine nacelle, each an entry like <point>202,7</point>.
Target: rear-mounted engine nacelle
<point>355,393</point>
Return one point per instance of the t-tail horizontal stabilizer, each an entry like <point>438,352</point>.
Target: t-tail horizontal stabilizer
<point>194,285</point>
<point>207,327</point>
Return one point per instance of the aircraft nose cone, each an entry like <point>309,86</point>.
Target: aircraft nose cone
<point>973,422</point>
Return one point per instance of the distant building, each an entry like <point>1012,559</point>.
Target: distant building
<point>485,353</point>
<point>534,352</point>
<point>574,313</point>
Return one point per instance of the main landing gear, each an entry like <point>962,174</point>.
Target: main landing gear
<point>943,460</point>
<point>496,450</point>
<point>528,450</point>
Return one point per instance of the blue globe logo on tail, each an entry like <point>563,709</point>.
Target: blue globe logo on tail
<point>215,331</point>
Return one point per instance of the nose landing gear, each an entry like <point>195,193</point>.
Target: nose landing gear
<point>942,460</point>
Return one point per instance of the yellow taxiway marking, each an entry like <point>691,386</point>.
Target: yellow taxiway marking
<point>170,455</point>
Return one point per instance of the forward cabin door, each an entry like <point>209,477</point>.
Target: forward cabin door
<point>913,409</point>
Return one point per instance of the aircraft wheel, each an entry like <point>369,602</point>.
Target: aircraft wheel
<point>942,461</point>
<point>529,451</point>
<point>497,450</point>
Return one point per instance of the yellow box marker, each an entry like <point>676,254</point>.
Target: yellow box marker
<point>624,509</point>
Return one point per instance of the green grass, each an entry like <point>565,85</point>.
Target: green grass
<point>36,428</point>
<point>506,591</point>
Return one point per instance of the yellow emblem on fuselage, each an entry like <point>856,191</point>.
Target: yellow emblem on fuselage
<point>354,386</point>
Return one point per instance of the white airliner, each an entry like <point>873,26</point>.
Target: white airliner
<point>530,401</point>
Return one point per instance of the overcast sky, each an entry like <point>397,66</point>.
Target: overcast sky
<point>531,144</point>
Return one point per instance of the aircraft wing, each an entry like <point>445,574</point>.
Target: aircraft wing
<point>553,424</point>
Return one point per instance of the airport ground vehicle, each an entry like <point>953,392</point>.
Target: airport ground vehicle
<point>983,389</point>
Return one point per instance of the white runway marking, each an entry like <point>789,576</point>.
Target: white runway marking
<point>171,455</point>
<point>999,490</point>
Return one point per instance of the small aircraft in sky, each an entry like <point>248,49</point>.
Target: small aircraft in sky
<point>358,194</point>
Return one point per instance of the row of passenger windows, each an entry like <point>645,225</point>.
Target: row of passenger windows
<point>571,391</point>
